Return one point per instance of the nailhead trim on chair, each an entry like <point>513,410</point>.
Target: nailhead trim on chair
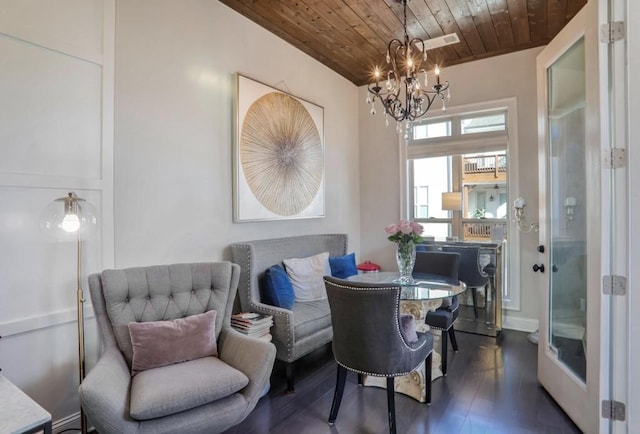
<point>264,307</point>
<point>397,321</point>
<point>378,375</point>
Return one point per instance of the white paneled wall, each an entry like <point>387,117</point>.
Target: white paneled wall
<point>56,136</point>
<point>50,117</point>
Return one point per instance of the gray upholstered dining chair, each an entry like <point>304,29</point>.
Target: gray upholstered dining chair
<point>368,338</point>
<point>206,394</point>
<point>445,265</point>
<point>470,271</point>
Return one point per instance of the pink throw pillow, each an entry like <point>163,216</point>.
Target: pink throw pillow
<point>408,328</point>
<point>161,343</point>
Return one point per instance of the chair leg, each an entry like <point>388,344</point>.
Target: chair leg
<point>487,287</point>
<point>452,336</point>
<point>289,374</point>
<point>391,405</point>
<point>341,379</point>
<point>443,354</point>
<point>474,296</point>
<point>427,377</point>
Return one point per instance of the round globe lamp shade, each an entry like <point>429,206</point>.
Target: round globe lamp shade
<point>69,218</point>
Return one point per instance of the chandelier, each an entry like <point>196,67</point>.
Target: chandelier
<point>404,92</point>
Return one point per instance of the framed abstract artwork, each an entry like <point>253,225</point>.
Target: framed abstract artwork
<point>278,155</point>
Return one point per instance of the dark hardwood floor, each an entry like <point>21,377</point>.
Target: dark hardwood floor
<point>491,388</point>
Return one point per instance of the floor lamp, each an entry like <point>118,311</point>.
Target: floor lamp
<point>452,201</point>
<point>71,218</point>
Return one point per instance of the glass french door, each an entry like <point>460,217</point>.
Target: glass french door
<point>568,232</point>
<point>569,350</point>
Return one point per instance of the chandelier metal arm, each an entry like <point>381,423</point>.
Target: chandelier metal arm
<point>417,102</point>
<point>404,74</point>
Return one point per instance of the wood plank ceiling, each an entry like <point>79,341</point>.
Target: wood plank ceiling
<point>351,36</point>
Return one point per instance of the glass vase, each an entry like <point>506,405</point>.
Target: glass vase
<point>406,258</point>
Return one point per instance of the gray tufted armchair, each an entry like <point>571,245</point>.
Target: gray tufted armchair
<point>205,395</point>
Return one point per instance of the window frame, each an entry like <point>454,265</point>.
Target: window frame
<point>416,202</point>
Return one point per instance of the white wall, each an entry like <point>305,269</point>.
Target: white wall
<point>175,65</point>
<point>510,75</point>
<point>56,76</point>
<point>175,62</point>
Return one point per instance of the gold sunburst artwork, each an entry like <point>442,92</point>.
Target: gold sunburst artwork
<point>281,158</point>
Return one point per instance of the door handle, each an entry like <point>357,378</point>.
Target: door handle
<point>537,268</point>
<point>540,248</point>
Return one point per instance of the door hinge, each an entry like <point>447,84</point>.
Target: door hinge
<point>615,158</point>
<point>614,410</point>
<point>614,285</point>
<point>612,32</point>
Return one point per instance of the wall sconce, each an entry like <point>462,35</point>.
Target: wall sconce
<point>570,204</point>
<point>518,207</point>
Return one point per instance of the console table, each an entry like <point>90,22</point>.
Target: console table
<point>20,414</point>
<point>490,323</point>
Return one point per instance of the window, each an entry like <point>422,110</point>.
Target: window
<point>467,151</point>
<point>480,124</point>
<point>430,178</point>
<point>421,201</point>
<point>432,130</point>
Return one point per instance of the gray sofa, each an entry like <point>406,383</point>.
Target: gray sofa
<point>307,326</point>
<point>205,395</point>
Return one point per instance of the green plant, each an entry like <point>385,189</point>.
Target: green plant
<point>478,213</point>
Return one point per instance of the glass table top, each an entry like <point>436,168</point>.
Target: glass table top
<point>424,287</point>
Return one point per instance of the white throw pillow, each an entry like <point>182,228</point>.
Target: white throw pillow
<point>306,276</point>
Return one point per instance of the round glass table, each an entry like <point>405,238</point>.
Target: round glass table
<point>426,293</point>
<point>425,287</point>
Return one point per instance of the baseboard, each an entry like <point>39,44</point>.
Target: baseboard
<point>69,423</point>
<point>520,324</point>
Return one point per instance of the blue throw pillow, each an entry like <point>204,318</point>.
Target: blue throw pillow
<point>343,266</point>
<point>277,289</point>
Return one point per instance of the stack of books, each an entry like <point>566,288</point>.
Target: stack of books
<point>257,325</point>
